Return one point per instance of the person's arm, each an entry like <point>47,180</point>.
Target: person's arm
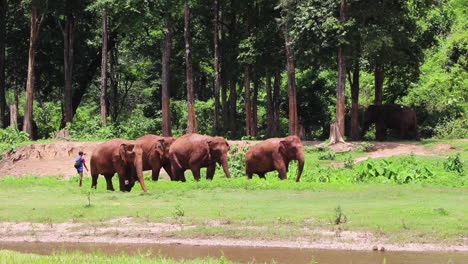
<point>84,164</point>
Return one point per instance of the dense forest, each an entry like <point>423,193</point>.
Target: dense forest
<point>237,68</point>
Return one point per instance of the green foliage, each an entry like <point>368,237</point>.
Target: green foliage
<point>405,170</point>
<point>452,128</point>
<point>364,147</point>
<point>340,218</point>
<point>10,137</point>
<point>328,155</point>
<point>237,160</point>
<point>454,163</point>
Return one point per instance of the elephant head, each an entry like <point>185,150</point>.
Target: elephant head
<point>292,149</point>
<point>164,145</point>
<point>219,149</point>
<point>131,156</point>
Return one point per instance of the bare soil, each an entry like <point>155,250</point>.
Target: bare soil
<point>127,230</point>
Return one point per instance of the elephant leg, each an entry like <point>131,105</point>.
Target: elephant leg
<point>280,166</point>
<point>261,175</point>
<point>249,175</point>
<point>110,186</point>
<point>155,174</point>
<point>122,182</point>
<point>210,172</point>
<point>177,172</point>
<point>167,168</point>
<point>94,180</point>
<point>196,172</point>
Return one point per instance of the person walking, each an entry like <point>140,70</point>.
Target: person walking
<point>79,163</point>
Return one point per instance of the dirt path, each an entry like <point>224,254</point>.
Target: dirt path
<point>127,230</point>
<point>57,158</point>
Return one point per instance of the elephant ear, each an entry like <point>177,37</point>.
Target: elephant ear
<point>124,150</point>
<point>161,146</point>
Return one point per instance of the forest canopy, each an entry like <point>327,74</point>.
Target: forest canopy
<point>238,68</point>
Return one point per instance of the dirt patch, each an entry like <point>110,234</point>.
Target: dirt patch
<point>127,230</point>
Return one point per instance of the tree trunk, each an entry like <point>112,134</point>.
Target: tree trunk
<point>293,120</point>
<point>341,85</point>
<point>13,116</point>
<point>3,8</point>
<point>379,75</point>
<point>165,91</point>
<point>114,103</point>
<point>68,57</point>
<point>248,106</point>
<point>254,125</point>
<point>36,20</point>
<point>269,104</point>
<point>103,98</point>
<point>354,133</point>
<point>192,119</point>
<point>216,67</point>
<point>276,101</point>
<point>233,107</point>
<point>335,134</point>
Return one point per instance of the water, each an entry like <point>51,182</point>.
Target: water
<point>247,254</point>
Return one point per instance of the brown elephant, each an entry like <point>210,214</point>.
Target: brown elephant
<point>120,156</point>
<point>156,154</point>
<point>274,154</point>
<point>195,151</point>
<point>391,116</point>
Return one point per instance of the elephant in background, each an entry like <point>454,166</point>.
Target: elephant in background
<point>195,151</point>
<point>275,154</point>
<point>156,154</point>
<point>120,156</point>
<point>391,116</point>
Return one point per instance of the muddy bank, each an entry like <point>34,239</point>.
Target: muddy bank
<point>242,254</point>
<point>128,231</point>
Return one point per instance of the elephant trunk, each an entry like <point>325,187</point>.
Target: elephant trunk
<point>300,160</point>
<point>224,163</point>
<point>139,171</point>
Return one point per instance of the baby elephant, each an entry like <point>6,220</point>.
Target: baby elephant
<point>274,154</point>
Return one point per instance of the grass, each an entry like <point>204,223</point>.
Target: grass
<point>400,212</point>
<point>7,256</point>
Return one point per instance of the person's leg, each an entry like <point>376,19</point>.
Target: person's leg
<point>81,177</point>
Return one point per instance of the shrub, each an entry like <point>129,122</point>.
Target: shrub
<point>454,163</point>
<point>10,137</point>
<point>329,155</point>
<point>451,129</point>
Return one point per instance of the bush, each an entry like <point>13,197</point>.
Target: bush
<point>452,129</point>
<point>329,155</point>
<point>10,137</point>
<point>454,163</point>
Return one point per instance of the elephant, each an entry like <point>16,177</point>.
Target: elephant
<point>274,154</point>
<point>391,116</point>
<point>194,151</point>
<point>121,156</point>
<point>156,154</point>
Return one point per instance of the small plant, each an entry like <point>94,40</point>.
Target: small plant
<point>364,147</point>
<point>441,211</point>
<point>454,163</point>
<point>329,155</point>
<point>88,195</point>
<point>340,218</point>
<point>178,211</point>
<point>349,162</point>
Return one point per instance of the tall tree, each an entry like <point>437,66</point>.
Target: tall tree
<point>3,9</point>
<point>292,94</point>
<point>105,38</point>
<point>256,83</point>
<point>165,90</point>
<point>192,120</point>
<point>37,16</point>
<point>341,84</point>
<point>68,33</point>
<point>276,101</point>
<point>354,81</point>
<point>269,104</point>
<point>217,81</point>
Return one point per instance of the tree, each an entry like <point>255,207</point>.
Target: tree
<point>105,38</point>
<point>217,81</point>
<point>37,16</point>
<point>165,91</point>
<point>3,9</point>
<point>192,120</point>
<point>68,33</point>
<point>341,84</point>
